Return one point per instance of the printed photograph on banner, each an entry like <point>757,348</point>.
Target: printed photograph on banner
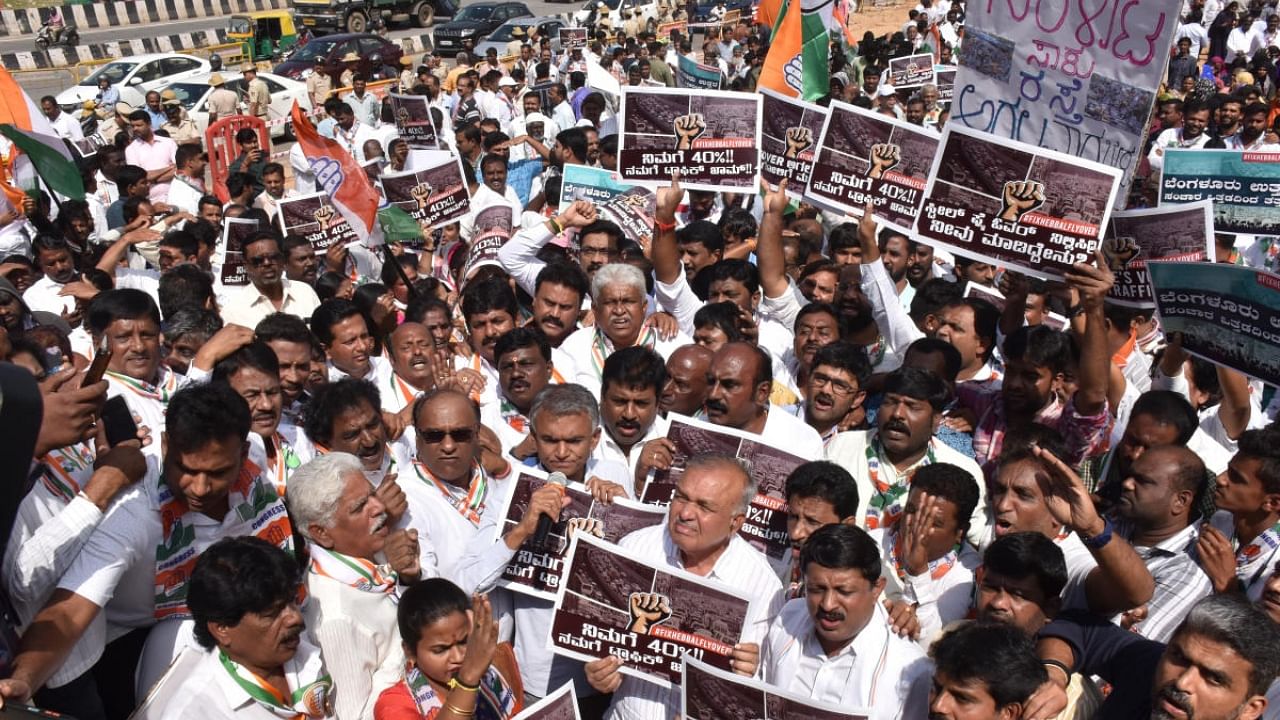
<point>1227,314</point>
<point>614,603</point>
<point>434,196</point>
<point>316,219</point>
<point>536,570</point>
<point>1183,233</point>
<point>1056,77</point>
<point>789,137</point>
<point>571,38</point>
<point>1244,187</point>
<point>493,228</point>
<point>234,232</point>
<point>560,704</point>
<point>89,145</point>
<point>766,524</point>
<point>1015,205</point>
<point>911,70</point>
<point>634,212</point>
<point>413,121</point>
<point>707,693</point>
<point>945,78</point>
<point>690,74</point>
<point>580,182</point>
<point>373,169</point>
<point>864,156</point>
<point>710,137</point>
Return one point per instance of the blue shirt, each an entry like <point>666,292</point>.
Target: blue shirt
<point>157,118</point>
<point>954,439</point>
<point>520,176</point>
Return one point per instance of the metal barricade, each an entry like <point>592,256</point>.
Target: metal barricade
<point>220,142</point>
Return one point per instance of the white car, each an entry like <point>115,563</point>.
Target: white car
<point>193,93</point>
<point>134,77</point>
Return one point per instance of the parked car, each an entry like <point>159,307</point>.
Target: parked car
<point>702,11</point>
<point>547,26</point>
<point>134,77</point>
<point>476,21</point>
<point>194,93</point>
<point>375,52</point>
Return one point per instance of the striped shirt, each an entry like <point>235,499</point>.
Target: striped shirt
<point>1180,583</point>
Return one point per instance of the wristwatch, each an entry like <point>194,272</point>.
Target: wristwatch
<point>1099,541</point>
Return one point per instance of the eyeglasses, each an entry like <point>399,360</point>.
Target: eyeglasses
<point>839,387</point>
<point>259,261</point>
<point>435,437</point>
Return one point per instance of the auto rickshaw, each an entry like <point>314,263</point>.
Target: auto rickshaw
<point>268,34</point>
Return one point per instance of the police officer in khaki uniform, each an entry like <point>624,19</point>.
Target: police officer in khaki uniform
<point>319,85</point>
<point>352,62</point>
<point>256,93</point>
<point>222,102</point>
<point>181,128</point>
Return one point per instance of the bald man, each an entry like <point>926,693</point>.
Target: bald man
<point>411,349</point>
<point>686,386</point>
<point>1157,512</point>
<point>738,387</point>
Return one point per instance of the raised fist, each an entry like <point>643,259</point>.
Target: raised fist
<point>799,139</point>
<point>324,215</point>
<point>1119,251</point>
<point>590,526</point>
<point>688,128</point>
<point>647,610</point>
<point>420,193</point>
<point>1021,197</point>
<point>403,116</point>
<point>884,157</point>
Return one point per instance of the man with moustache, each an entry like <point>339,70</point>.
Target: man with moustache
<point>834,645</point>
<point>1238,547</point>
<point>557,299</point>
<point>525,367</point>
<point>816,326</point>
<point>686,388</point>
<point>292,343</point>
<point>1000,687</point>
<point>739,383</point>
<point>1218,665</point>
<point>268,290</point>
<point>884,459</point>
<point>632,381</point>
<point>413,368</point>
<point>490,310</point>
<point>597,242</point>
<point>835,389</point>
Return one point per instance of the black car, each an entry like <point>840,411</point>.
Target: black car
<point>476,22</point>
<point>374,52</point>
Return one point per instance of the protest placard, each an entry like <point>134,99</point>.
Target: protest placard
<point>1015,205</point>
<point>234,233</point>
<point>710,137</point>
<point>1134,237</point>
<point>945,78</point>
<point>536,570</point>
<point>1244,187</point>
<point>434,196</point>
<point>373,170</point>
<point>614,603</point>
<point>864,156</point>
<point>413,121</point>
<point>1078,78</point>
<point>89,145</point>
<point>1049,319</point>
<point>580,182</point>
<point>493,228</point>
<point>690,74</point>
<point>1227,314</point>
<point>571,38</point>
<point>315,218</point>
<point>909,73</point>
<point>559,704</point>
<point>766,524</point>
<point>789,135</point>
<point>708,693</point>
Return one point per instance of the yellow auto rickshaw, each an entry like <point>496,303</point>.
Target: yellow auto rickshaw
<point>267,35</point>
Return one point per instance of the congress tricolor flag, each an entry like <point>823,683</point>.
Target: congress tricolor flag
<point>338,175</point>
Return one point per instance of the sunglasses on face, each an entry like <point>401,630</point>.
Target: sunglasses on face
<point>435,437</point>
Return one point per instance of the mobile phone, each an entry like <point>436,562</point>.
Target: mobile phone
<point>98,367</point>
<point>117,420</point>
<point>13,711</point>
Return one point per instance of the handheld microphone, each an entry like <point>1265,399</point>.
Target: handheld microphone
<point>544,522</point>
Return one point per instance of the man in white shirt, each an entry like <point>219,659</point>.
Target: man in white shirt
<point>883,460</point>
<point>561,111</point>
<point>268,291</point>
<point>633,379</point>
<point>738,388</point>
<point>351,608</point>
<point>242,648</point>
<point>57,264</point>
<point>700,536</point>
<point>1191,134</point>
<point>525,366</point>
<point>350,133</point>
<point>834,645</point>
<point>67,127</point>
<point>342,329</point>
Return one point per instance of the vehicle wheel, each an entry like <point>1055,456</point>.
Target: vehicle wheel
<point>425,14</point>
<point>357,22</point>
<point>42,43</point>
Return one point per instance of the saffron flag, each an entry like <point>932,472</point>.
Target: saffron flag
<point>799,58</point>
<point>345,182</point>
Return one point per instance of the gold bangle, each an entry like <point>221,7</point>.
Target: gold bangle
<point>460,711</point>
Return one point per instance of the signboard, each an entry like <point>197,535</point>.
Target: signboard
<point>572,38</point>
<point>707,693</point>
<point>434,196</point>
<point>1015,205</point>
<point>1244,187</point>
<point>316,219</point>
<point>710,137</point>
<point>690,74</point>
<point>234,232</point>
<point>789,137</point>
<point>1175,232</point>
<point>413,121</point>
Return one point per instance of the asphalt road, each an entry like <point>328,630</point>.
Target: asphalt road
<point>38,84</point>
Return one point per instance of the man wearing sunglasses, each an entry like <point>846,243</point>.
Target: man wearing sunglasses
<point>268,290</point>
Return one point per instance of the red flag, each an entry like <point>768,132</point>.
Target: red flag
<point>339,177</point>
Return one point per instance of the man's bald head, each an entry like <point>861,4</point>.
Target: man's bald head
<point>686,386</point>
<point>1160,493</point>
<point>738,385</point>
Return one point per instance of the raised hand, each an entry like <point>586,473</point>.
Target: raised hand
<point>1021,197</point>
<point>1068,500</point>
<point>1119,251</point>
<point>420,193</point>
<point>688,128</point>
<point>481,643</point>
<point>647,610</point>
<point>798,140</point>
<point>401,551</point>
<point>590,526</point>
<point>668,199</point>
<point>913,532</point>
<point>884,157</point>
